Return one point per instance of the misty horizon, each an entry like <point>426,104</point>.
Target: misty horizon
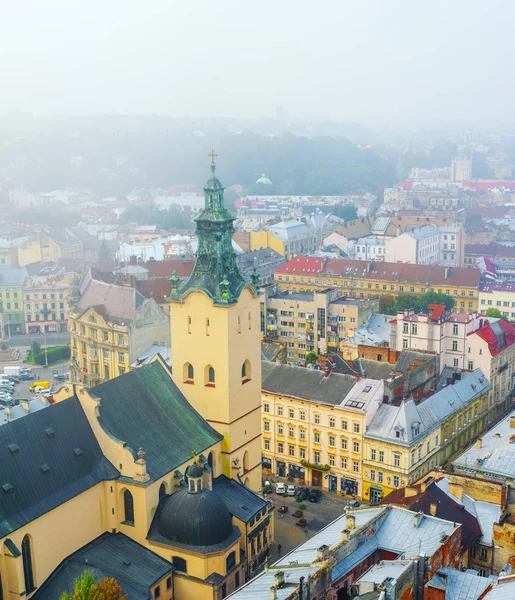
<point>368,62</point>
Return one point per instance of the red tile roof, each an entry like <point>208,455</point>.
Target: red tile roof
<point>484,184</point>
<point>498,335</point>
<point>307,265</point>
<point>490,250</point>
<point>434,275</point>
<point>405,185</point>
<point>436,311</point>
<point>165,268</point>
<point>159,289</point>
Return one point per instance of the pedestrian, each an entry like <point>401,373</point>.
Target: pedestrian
<point>279,548</point>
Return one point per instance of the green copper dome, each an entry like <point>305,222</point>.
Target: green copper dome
<point>215,271</point>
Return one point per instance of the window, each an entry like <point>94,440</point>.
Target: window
<point>470,365</point>
<point>168,583</point>
<point>372,475</point>
<point>157,592</point>
<point>211,375</point>
<point>404,343</point>
<point>332,440</point>
<point>28,567</point>
<point>455,346</point>
<point>267,444</point>
<point>291,432</point>
<point>331,461</point>
<point>280,448</point>
<point>483,553</point>
<point>356,427</point>
<point>344,463</point>
<point>279,429</point>
<point>381,456</point>
<point>344,444</point>
<point>397,460</point>
<point>291,413</point>
<point>302,453</point>
<point>344,425</point>
<point>302,415</point>
<point>245,371</point>
<point>356,446</point>
<point>230,561</point>
<point>280,411</point>
<point>179,563</point>
<point>121,357</point>
<point>316,418</point>
<point>266,425</point>
<point>189,372</point>
<point>396,481</point>
<point>373,454</point>
<point>302,434</point>
<point>316,456</point>
<point>456,362</point>
<point>331,421</point>
<point>455,329</point>
<point>355,466</point>
<point>128,507</point>
<point>266,407</point>
<point>414,328</point>
<point>316,437</point>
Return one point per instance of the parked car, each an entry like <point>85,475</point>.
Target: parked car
<point>290,490</point>
<point>280,488</point>
<point>61,377</point>
<point>315,495</point>
<point>303,493</point>
<point>353,504</point>
<point>26,376</point>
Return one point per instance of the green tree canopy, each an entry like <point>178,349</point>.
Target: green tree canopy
<point>391,305</point>
<point>495,313</point>
<point>310,357</point>
<point>85,588</point>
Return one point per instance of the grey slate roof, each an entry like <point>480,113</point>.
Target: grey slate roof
<point>459,585</point>
<point>145,409</point>
<point>408,357</point>
<point>307,384</point>
<point>119,302</point>
<point>241,502</point>
<point>12,276</point>
<point>373,369</point>
<point>115,555</point>
<point>61,438</point>
<point>427,414</point>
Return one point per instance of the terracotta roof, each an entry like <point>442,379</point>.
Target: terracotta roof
<point>436,311</point>
<point>446,508</point>
<point>119,302</point>
<point>165,268</point>
<point>159,289</point>
<point>485,184</point>
<point>303,264</point>
<point>405,185</point>
<point>498,335</point>
<point>492,250</point>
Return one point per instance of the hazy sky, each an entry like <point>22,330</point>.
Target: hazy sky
<point>348,59</point>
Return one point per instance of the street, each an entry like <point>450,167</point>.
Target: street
<point>21,390</point>
<point>52,339</point>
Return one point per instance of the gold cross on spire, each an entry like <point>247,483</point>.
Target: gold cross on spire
<point>212,154</point>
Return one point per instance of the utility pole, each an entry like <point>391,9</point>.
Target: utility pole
<point>46,355</point>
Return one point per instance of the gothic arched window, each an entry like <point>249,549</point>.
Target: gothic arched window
<point>128,507</point>
<point>28,570</point>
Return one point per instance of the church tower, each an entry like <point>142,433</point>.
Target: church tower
<point>216,341</point>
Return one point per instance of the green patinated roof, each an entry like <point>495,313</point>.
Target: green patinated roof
<point>215,271</point>
<point>145,409</point>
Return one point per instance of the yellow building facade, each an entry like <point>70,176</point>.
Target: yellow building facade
<point>363,279</point>
<point>404,442</point>
<point>313,440</point>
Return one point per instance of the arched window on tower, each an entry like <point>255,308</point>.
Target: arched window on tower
<point>188,373</point>
<point>245,371</point>
<point>209,376</point>
<point>128,508</point>
<point>28,567</point>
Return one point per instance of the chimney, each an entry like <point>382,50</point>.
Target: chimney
<point>350,522</point>
<point>512,422</point>
<point>433,508</point>
<point>279,579</point>
<point>322,553</point>
<point>273,593</point>
<point>417,519</point>
<point>410,491</point>
<point>456,490</point>
<point>301,589</point>
<point>25,405</point>
<point>479,443</point>
<point>345,535</point>
<point>447,272</point>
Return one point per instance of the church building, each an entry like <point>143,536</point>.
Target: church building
<point>153,477</point>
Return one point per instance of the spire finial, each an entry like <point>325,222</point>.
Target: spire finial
<point>212,154</point>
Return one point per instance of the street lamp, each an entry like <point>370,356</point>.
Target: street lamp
<point>46,355</point>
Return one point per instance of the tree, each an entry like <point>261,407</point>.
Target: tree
<point>85,588</point>
<point>495,313</point>
<point>103,253</point>
<point>347,213</point>
<point>36,348</point>
<point>310,357</point>
<point>390,305</point>
<point>387,304</point>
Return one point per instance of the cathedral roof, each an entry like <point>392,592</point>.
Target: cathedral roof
<point>134,567</point>
<point>46,459</point>
<point>145,409</point>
